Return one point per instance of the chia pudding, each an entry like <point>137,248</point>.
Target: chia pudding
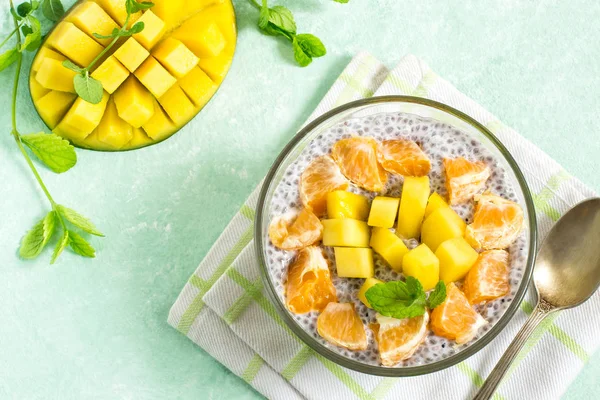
<point>437,140</point>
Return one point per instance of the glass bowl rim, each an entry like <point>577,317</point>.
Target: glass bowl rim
<point>377,369</point>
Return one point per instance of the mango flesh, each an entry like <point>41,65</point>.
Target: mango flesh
<point>354,262</point>
<point>435,201</point>
<point>456,259</point>
<point>413,201</point>
<point>422,264</point>
<point>369,283</point>
<point>383,211</point>
<point>443,224</point>
<point>345,232</point>
<point>343,204</point>
<point>389,246</point>
<point>175,84</point>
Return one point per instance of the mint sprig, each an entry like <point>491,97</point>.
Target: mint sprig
<point>438,296</point>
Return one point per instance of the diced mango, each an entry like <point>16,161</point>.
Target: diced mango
<point>131,54</point>
<point>116,9</point>
<point>353,262</point>
<point>443,224</point>
<point>343,204</point>
<point>205,40</point>
<point>113,130</point>
<point>81,119</point>
<point>55,76</point>
<point>345,232</point>
<point>37,91</point>
<point>155,77</point>
<point>435,201</point>
<point>91,141</point>
<point>53,106</point>
<point>422,264</point>
<point>175,57</point>
<point>415,193</point>
<point>383,211</point>
<point>138,139</point>
<point>177,105</point>
<point>111,73</point>
<point>74,44</point>
<point>159,126</point>
<point>198,86</point>
<point>134,102</point>
<point>456,259</point>
<point>154,28</point>
<point>389,246</point>
<point>216,67</point>
<point>91,18</point>
<point>43,53</point>
<point>369,283</point>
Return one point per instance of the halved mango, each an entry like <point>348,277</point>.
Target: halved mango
<point>91,18</point>
<point>73,43</point>
<point>54,76</point>
<point>81,119</point>
<point>443,224</point>
<point>389,246</point>
<point>422,264</point>
<point>54,105</point>
<point>111,73</point>
<point>413,201</point>
<point>343,204</point>
<point>345,232</point>
<point>134,102</point>
<point>353,262</point>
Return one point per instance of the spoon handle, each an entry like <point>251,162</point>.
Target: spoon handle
<point>541,311</point>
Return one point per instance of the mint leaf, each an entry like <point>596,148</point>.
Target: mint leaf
<point>300,55</point>
<point>52,9</point>
<point>276,21</point>
<point>36,239</point>
<point>115,33</point>
<point>23,9</point>
<point>60,246</point>
<point>80,246</point>
<point>32,30</point>
<point>341,1</point>
<point>136,28</point>
<point>8,58</point>
<point>311,45</point>
<point>88,88</point>
<point>132,6</point>
<point>52,150</point>
<point>79,220</point>
<point>438,296</point>
<point>397,299</point>
<point>72,66</point>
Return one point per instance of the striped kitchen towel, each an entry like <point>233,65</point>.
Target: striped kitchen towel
<point>224,309</point>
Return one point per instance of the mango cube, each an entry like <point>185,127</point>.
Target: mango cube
<point>456,259</point>
<point>138,139</point>
<point>55,76</point>
<point>177,105</point>
<point>413,201</point>
<point>74,44</point>
<point>111,73</point>
<point>155,77</point>
<point>216,67</point>
<point>159,126</point>
<point>91,18</point>
<point>343,204</point>
<point>113,130</point>
<point>435,201</point>
<point>134,102</point>
<point>383,211</point>
<point>43,53</point>
<point>443,224</point>
<point>81,119</point>
<point>198,86</point>
<point>354,262</point>
<point>116,9</point>
<point>345,232</point>
<point>369,283</point>
<point>175,57</point>
<point>36,89</point>
<point>205,40</point>
<point>53,106</point>
<point>389,246</point>
<point>131,54</point>
<point>154,28</point>
<point>422,264</point>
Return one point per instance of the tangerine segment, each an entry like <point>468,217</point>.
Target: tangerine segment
<point>496,223</point>
<point>398,339</point>
<point>357,159</point>
<point>403,157</point>
<point>318,179</point>
<point>464,178</point>
<point>455,318</point>
<point>309,286</point>
<point>294,231</point>
<point>488,278</point>
<point>340,324</point>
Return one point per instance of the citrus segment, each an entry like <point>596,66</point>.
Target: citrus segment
<point>496,223</point>
<point>464,178</point>
<point>488,279</point>
<point>340,324</point>
<point>294,231</point>
<point>403,157</point>
<point>399,338</point>
<point>309,286</point>
<point>357,159</point>
<point>318,179</point>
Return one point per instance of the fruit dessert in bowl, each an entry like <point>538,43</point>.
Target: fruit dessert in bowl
<point>396,235</point>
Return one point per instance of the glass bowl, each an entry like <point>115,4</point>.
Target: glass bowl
<point>422,108</point>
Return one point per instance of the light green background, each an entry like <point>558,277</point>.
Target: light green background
<point>96,329</point>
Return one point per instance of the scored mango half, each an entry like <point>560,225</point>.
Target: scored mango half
<point>154,82</point>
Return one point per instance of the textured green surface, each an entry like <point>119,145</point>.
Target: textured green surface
<point>96,329</point>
